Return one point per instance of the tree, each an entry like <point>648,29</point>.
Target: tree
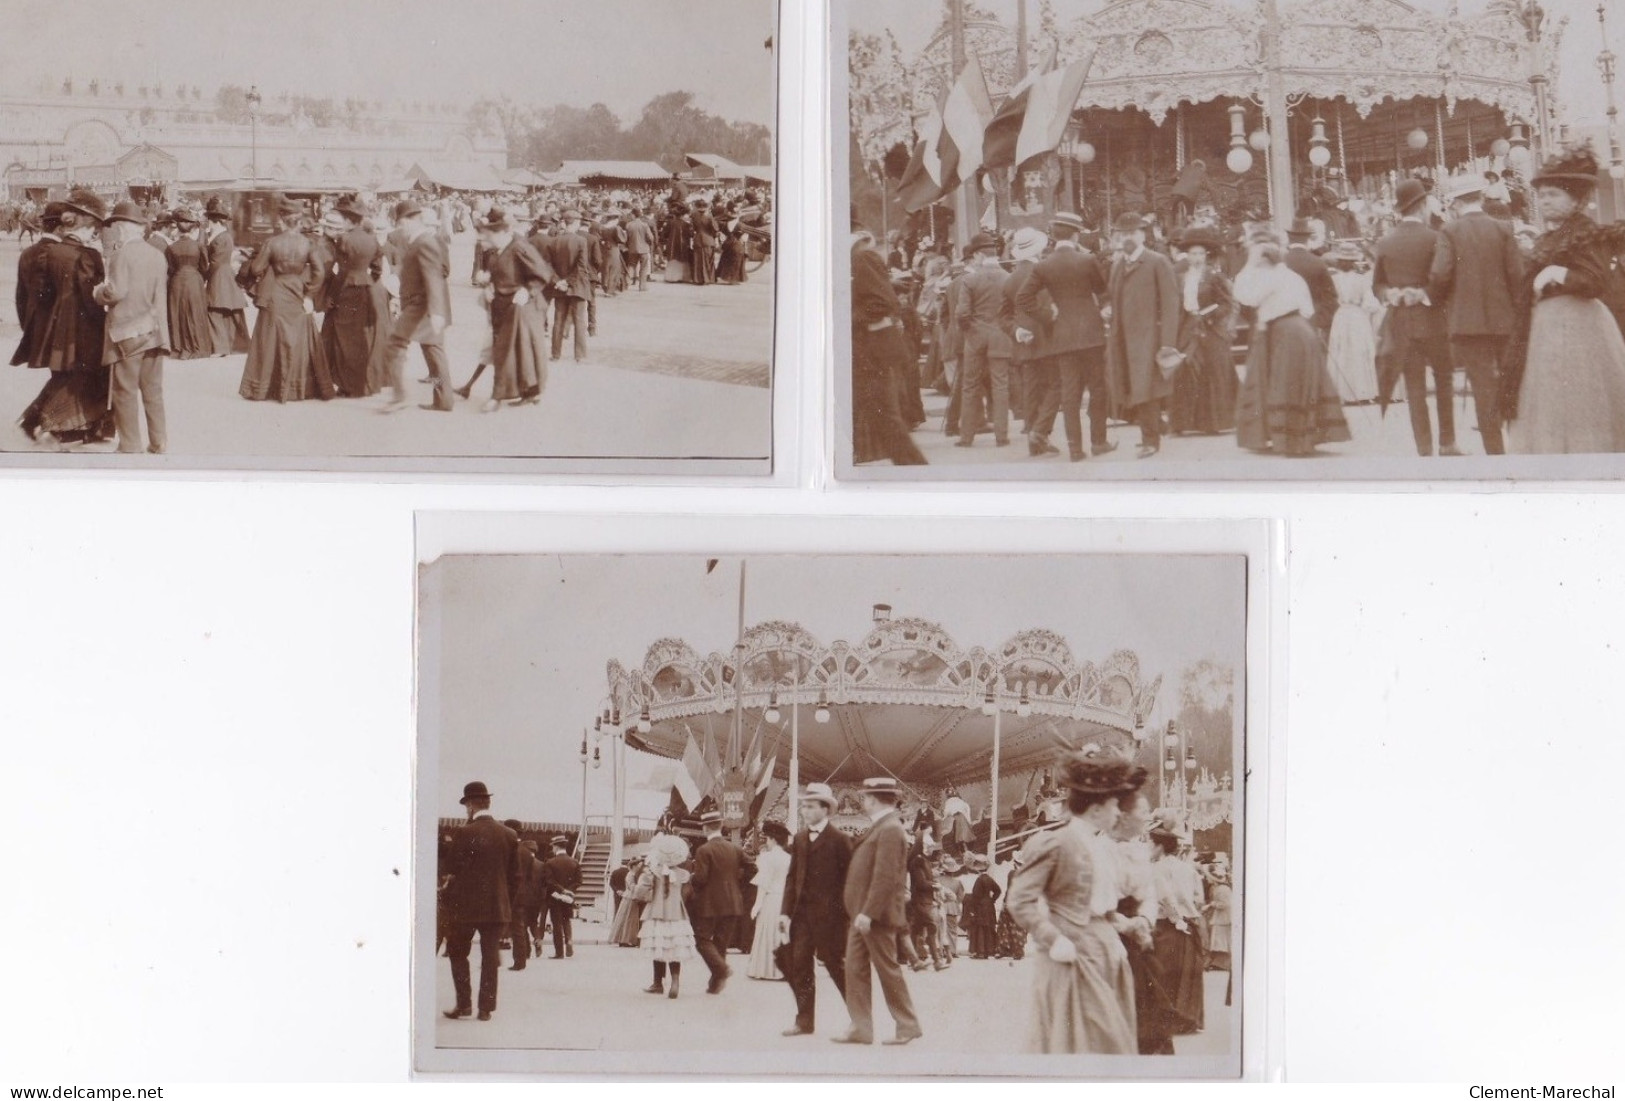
<point>1207,696</point>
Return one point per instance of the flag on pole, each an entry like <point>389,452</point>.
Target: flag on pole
<point>763,781</point>
<point>694,779</point>
<point>965,115</point>
<point>921,184</point>
<point>1033,120</point>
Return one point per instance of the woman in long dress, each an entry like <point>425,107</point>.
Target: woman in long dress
<point>1217,912</point>
<point>666,936</point>
<point>228,326</point>
<point>981,913</point>
<point>772,867</point>
<point>1177,939</point>
<point>1351,349</point>
<point>63,326</point>
<point>629,914</point>
<point>1566,365</point>
<point>1289,404</point>
<point>1157,1018</point>
<point>281,357</point>
<point>1204,398</point>
<point>1065,895</point>
<point>189,333</point>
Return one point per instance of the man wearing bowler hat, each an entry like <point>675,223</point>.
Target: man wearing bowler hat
<point>561,878</point>
<point>716,902</point>
<point>1416,325</point>
<point>425,309</point>
<point>1145,304</point>
<point>813,914</point>
<point>1477,275</point>
<point>876,898</point>
<point>137,335</point>
<point>483,861</point>
<point>1315,272</point>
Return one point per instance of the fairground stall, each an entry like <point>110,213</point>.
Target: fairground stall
<point>1269,108</point>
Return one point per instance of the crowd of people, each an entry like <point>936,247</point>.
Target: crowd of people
<point>1210,329</point>
<point>340,292</point>
<point>1125,917</point>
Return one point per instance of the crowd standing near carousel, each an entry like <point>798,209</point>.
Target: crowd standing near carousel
<point>1145,324</point>
<point>331,285</point>
<point>1123,917</point>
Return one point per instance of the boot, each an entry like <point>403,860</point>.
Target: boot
<point>675,978</point>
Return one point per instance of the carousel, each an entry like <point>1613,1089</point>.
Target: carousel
<point>976,729</point>
<point>1279,107</point>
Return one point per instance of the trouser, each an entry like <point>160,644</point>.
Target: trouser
<point>1083,370</point>
<point>981,369</point>
<point>1043,395</point>
<point>712,935</point>
<point>563,937</point>
<point>592,313</point>
<point>876,948</point>
<point>433,354</point>
<point>1480,356</point>
<point>570,311</point>
<point>810,941</point>
<point>459,942</point>
<point>1148,415</point>
<point>519,934</point>
<point>1417,356</point>
<point>637,270</point>
<point>923,931</point>
<point>138,383</point>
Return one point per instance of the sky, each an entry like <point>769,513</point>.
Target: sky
<point>526,639</point>
<point>1580,86</point>
<point>620,52</point>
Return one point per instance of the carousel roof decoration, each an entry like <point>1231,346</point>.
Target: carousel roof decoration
<point>906,700</point>
<point>1155,54</point>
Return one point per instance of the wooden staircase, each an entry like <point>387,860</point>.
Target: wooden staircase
<point>590,900</point>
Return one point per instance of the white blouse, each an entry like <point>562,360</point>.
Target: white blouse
<point>1274,291</point>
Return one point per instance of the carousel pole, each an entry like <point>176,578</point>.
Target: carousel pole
<point>966,214</point>
<point>795,754</point>
<point>1282,201</point>
<point>993,788</point>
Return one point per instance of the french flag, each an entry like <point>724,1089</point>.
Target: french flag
<point>921,184</point>
<point>965,115</point>
<point>1032,121</point>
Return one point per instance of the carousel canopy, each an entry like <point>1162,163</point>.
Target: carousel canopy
<point>907,701</point>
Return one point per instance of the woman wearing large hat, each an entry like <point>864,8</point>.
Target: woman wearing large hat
<point>228,324</point>
<point>284,361</point>
<point>1065,894</point>
<point>64,329</point>
<point>1566,364</point>
<point>1204,398</point>
<point>189,333</point>
<point>1351,349</point>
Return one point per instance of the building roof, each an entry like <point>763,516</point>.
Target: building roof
<point>460,177</point>
<point>576,171</point>
<point>721,167</point>
<point>757,173</point>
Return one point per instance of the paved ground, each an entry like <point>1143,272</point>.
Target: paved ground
<point>676,372</point>
<point>1375,436</point>
<point>595,1001</point>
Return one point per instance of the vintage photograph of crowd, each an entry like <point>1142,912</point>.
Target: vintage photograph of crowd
<point>919,828</point>
<point>1228,238</point>
<point>538,238</point>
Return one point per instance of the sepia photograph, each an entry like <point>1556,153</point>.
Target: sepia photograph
<point>1227,239</point>
<point>517,237</point>
<point>833,814</point>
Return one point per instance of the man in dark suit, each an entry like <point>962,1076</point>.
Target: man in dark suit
<point>716,900</point>
<point>813,914</point>
<point>1476,276</point>
<point>567,253</point>
<point>483,862</point>
<point>1315,272</point>
<point>984,367</point>
<point>876,899</point>
<point>640,242</point>
<point>1145,304</point>
<point>526,899</point>
<point>137,335</point>
<point>1416,325</point>
<point>1034,392</point>
<point>561,880</point>
<point>1069,335</point>
<point>425,309</point>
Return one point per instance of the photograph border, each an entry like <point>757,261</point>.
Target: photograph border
<point>1258,766</point>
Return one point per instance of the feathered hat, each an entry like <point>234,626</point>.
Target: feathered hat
<point>1100,774</point>
<point>1575,171</point>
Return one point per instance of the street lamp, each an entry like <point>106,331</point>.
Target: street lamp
<point>821,714</point>
<point>253,100</point>
<point>1608,65</point>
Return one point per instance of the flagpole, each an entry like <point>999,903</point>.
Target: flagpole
<point>965,213</point>
<point>795,750</point>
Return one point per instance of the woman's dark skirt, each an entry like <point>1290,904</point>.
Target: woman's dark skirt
<point>1289,403</point>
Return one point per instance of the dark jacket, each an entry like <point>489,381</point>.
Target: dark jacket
<point>66,322</point>
<point>1076,282</point>
<point>223,291</point>
<point>483,862</point>
<point>719,869</point>
<point>560,873</point>
<point>877,878</point>
<point>1477,275</point>
<point>816,882</point>
<point>424,269</point>
<point>567,255</point>
<point>1318,275</point>
<point>1404,258</point>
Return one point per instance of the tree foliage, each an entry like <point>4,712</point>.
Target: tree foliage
<point>1207,698</point>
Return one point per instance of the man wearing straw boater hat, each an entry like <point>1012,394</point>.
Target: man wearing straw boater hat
<point>876,900</point>
<point>136,295</point>
<point>1070,335</point>
<point>813,915</point>
<point>483,861</point>
<point>717,902</point>
<point>561,880</point>
<point>1477,271</point>
<point>1416,325</point>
